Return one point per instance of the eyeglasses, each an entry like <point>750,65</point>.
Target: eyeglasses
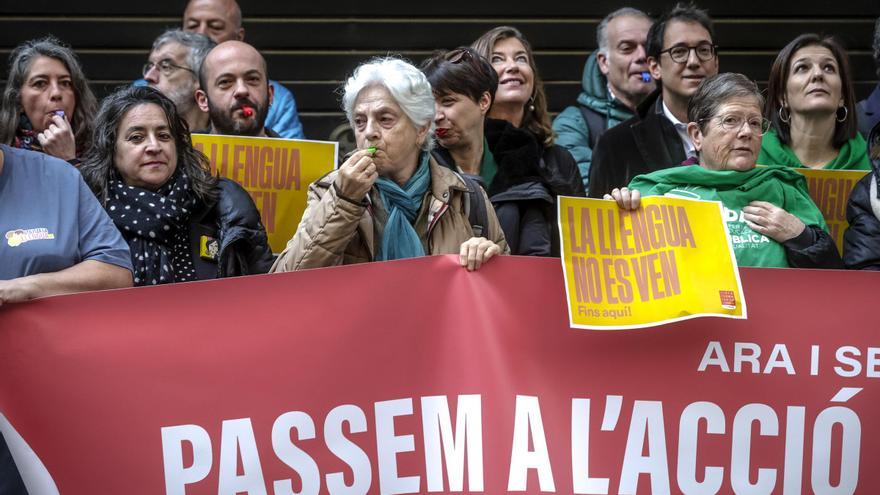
<point>680,53</point>
<point>166,67</point>
<point>732,122</point>
<point>458,55</point>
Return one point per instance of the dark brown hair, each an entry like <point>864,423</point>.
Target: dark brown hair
<point>843,131</point>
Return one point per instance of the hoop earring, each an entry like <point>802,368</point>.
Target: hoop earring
<point>785,119</point>
<point>845,114</point>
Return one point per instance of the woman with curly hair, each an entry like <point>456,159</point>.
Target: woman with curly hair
<point>180,222</point>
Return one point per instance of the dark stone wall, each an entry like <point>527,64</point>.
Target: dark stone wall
<point>312,46</point>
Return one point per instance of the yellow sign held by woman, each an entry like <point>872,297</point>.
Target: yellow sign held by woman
<point>669,260</point>
<point>275,172</point>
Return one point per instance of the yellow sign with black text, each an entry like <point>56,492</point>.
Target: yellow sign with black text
<point>275,172</point>
<point>669,260</point>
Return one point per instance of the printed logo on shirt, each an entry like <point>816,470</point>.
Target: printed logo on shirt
<point>18,237</point>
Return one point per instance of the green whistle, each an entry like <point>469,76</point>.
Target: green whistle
<point>371,150</point>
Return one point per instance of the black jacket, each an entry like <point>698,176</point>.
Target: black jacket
<point>227,238</point>
<point>861,241</point>
<point>640,145</point>
<point>525,187</point>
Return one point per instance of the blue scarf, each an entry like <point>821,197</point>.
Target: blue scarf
<point>400,240</point>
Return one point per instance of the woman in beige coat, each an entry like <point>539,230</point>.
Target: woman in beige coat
<point>390,199</point>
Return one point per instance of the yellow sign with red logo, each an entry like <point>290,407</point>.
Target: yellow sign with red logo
<point>669,260</point>
<point>275,172</point>
<point>830,190</point>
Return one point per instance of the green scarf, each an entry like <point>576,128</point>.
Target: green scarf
<point>780,186</point>
<point>852,156</point>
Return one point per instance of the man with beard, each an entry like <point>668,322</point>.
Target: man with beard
<point>221,20</point>
<point>235,90</point>
<point>173,69</point>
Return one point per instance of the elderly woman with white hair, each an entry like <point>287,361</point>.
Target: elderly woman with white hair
<point>390,199</point>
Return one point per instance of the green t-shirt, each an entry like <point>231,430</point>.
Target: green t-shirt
<point>780,186</point>
<point>852,156</point>
<point>488,165</point>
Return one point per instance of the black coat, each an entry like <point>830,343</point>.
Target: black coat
<point>861,241</point>
<point>234,239</point>
<point>523,191</point>
<point>640,145</point>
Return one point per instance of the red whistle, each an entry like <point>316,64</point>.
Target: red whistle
<point>247,111</point>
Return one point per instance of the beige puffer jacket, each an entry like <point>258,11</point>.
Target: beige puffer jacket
<point>336,231</point>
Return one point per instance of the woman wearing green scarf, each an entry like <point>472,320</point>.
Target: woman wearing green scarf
<point>811,105</point>
<point>768,212</point>
<point>390,200</point>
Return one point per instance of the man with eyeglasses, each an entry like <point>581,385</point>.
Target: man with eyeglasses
<point>681,54</point>
<point>173,68</point>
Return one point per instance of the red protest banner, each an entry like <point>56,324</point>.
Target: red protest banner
<point>416,376</point>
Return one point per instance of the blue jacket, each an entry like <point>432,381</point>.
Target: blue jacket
<point>283,117</point>
<point>572,130</point>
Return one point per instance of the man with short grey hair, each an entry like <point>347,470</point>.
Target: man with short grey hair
<point>173,69</point>
<point>615,80</point>
<point>869,108</point>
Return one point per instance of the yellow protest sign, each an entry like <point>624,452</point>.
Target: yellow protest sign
<point>275,172</point>
<point>669,260</point>
<point>830,190</point>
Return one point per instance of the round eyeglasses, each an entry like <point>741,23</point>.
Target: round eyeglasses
<point>732,122</point>
<point>679,53</point>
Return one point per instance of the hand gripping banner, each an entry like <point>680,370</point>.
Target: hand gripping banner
<point>419,377</point>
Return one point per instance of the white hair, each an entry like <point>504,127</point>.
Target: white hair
<point>408,86</point>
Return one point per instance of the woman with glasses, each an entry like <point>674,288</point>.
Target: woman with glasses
<point>181,223</point>
<point>768,212</point>
<point>47,104</point>
<point>811,105</point>
<point>502,158</point>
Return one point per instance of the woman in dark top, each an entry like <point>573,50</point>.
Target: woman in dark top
<point>521,175</point>
<point>181,223</point>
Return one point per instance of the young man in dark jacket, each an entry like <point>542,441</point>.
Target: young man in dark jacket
<point>681,54</point>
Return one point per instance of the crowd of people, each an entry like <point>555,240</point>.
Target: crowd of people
<point>455,155</point>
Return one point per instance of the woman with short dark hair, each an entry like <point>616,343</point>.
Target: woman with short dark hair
<point>503,158</point>
<point>181,223</point>
<point>811,105</point>
<point>47,104</point>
